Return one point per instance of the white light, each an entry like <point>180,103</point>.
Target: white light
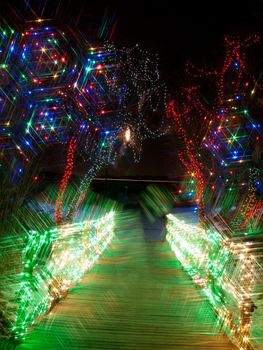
<point>128,134</point>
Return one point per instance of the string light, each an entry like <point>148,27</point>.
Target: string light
<point>223,269</point>
<point>54,261</point>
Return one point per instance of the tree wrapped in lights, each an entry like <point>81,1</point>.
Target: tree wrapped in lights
<point>89,99</point>
<point>234,135</point>
<point>188,118</point>
<point>132,99</point>
<point>225,133</point>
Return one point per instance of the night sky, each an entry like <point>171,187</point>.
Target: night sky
<point>176,30</point>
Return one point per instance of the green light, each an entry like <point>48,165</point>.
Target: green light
<point>221,268</point>
<point>54,260</point>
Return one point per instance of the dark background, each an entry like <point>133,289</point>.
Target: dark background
<point>176,30</point>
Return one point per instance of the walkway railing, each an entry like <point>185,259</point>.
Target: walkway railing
<point>53,261</point>
<point>225,270</point>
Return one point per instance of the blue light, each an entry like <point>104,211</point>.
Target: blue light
<point>107,132</point>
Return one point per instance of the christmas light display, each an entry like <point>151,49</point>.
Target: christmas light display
<point>226,271</point>
<point>57,91</point>
<point>227,133</point>
<point>224,159</point>
<point>52,262</point>
<point>54,90</point>
<point>135,100</point>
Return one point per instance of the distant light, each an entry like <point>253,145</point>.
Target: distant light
<point>127,134</point>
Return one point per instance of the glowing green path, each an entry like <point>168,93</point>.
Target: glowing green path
<point>136,297</point>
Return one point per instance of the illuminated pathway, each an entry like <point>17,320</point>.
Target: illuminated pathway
<point>137,297</point>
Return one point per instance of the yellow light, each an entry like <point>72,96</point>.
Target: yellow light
<point>127,134</point>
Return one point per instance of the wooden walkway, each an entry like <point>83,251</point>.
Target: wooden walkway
<point>137,297</point>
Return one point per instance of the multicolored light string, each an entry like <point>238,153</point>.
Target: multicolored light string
<point>224,269</point>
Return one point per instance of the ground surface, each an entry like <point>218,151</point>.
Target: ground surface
<point>137,297</point>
